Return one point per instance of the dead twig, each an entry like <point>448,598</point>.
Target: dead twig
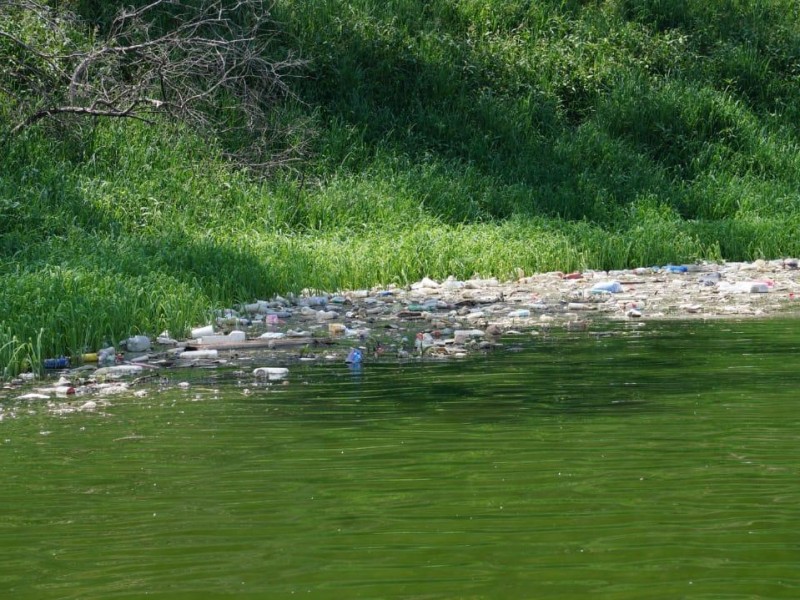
<point>213,69</point>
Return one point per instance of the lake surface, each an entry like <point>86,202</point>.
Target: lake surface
<point>658,462</point>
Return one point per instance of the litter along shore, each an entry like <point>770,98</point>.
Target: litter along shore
<point>429,319</point>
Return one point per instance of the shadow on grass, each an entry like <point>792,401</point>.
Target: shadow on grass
<point>542,148</point>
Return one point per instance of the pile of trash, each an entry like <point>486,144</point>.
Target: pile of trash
<point>429,319</point>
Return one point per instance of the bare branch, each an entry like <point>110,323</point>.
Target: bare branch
<point>211,69</point>
<point>92,111</point>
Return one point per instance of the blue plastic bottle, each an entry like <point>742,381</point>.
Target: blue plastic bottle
<point>676,268</point>
<point>62,362</point>
<point>354,357</point>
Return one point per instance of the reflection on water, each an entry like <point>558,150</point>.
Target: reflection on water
<point>659,462</point>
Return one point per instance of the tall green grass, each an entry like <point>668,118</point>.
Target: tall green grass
<point>17,356</point>
<point>453,138</point>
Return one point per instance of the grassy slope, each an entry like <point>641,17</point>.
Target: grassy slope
<point>454,137</point>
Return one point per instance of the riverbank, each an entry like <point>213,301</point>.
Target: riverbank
<point>429,319</point>
<point>442,141</point>
<point>453,310</point>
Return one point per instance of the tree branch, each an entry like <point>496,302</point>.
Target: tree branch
<point>209,70</point>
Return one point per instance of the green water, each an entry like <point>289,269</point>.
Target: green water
<point>660,462</point>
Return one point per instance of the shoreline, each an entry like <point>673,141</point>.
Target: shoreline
<point>448,319</point>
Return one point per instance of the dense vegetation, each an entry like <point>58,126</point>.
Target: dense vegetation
<point>450,137</point>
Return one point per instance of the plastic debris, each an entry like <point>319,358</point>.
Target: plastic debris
<point>199,332</point>
<point>709,279</point>
<point>118,371</point>
<point>199,354</point>
<point>745,287</point>
<point>611,287</point>
<point>234,337</point>
<point>447,319</point>
<point>137,343</point>
<point>578,306</point>
<point>271,373</point>
<point>675,269</point>
<point>272,335</point>
<point>106,356</point>
<point>425,282</point>
<point>354,356</point>
<point>62,362</point>
<point>33,396</point>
